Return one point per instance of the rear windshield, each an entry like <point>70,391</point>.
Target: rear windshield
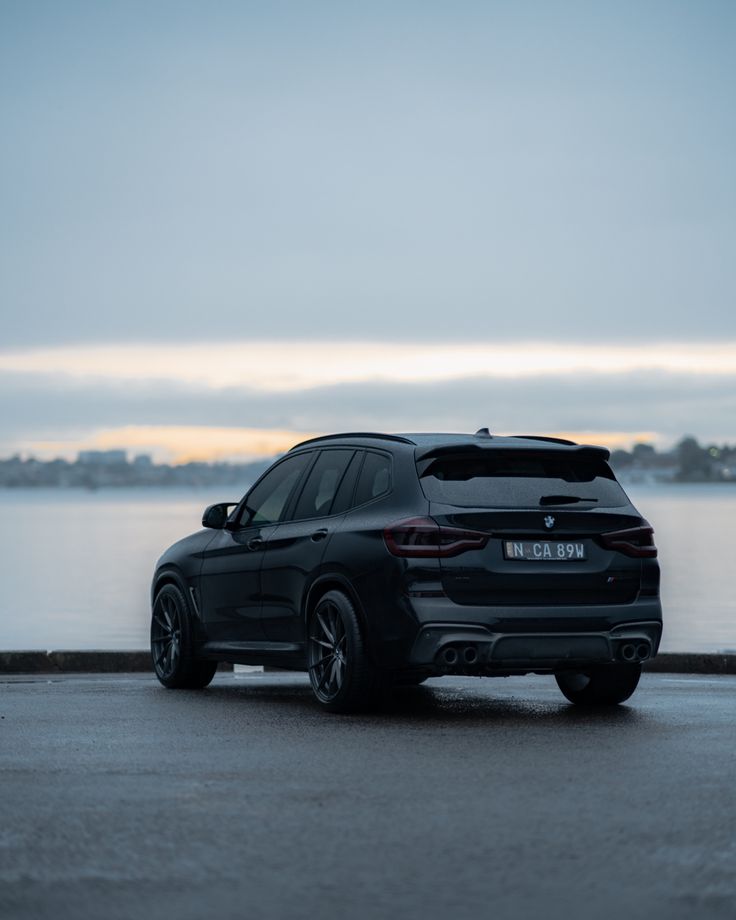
<point>507,479</point>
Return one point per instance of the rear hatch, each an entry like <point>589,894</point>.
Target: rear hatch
<point>552,527</point>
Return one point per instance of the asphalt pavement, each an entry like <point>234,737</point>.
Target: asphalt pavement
<point>463,798</point>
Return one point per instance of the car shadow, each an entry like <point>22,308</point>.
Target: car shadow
<point>289,696</point>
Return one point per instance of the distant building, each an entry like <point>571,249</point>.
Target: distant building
<point>102,457</point>
<point>142,461</point>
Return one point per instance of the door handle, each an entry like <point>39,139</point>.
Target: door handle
<point>255,543</point>
<point>319,534</point>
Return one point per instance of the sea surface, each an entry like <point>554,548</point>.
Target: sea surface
<point>76,566</point>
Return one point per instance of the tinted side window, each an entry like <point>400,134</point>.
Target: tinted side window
<point>344,498</point>
<point>375,478</point>
<point>268,499</point>
<point>321,485</point>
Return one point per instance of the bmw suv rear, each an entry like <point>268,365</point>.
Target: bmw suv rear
<point>373,559</point>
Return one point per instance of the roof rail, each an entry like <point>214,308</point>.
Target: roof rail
<point>355,434</point>
<point>541,437</point>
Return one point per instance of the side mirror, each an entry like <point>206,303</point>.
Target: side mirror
<point>215,516</point>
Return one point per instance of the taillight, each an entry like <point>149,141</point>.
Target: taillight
<point>637,542</point>
<point>425,538</point>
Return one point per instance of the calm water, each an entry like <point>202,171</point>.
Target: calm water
<point>76,566</point>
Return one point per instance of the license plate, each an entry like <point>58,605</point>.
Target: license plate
<point>544,550</point>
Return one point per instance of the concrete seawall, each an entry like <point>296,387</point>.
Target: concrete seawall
<point>82,662</point>
<point>112,662</point>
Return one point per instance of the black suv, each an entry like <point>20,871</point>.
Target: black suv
<point>373,559</point>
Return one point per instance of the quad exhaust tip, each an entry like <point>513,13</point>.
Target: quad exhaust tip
<point>450,656</point>
<point>635,652</point>
<point>453,656</point>
<point>470,654</point>
<point>467,656</point>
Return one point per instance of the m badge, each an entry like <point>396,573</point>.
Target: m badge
<point>549,522</point>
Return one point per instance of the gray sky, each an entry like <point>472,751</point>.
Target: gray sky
<point>397,172</point>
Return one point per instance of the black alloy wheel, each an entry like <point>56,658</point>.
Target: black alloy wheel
<point>328,645</point>
<point>604,685</point>
<point>172,647</point>
<point>342,676</point>
<point>165,636</point>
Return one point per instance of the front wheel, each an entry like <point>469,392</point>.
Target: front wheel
<point>172,643</point>
<point>343,677</point>
<point>603,685</point>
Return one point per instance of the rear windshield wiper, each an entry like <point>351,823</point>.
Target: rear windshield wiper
<point>563,499</point>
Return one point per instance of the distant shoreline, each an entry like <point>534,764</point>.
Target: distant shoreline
<point>688,463</point>
<point>95,470</point>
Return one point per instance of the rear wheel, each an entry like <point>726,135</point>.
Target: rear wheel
<point>603,685</point>
<point>172,643</point>
<point>342,676</point>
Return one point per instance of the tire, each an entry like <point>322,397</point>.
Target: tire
<point>172,643</point>
<point>603,685</point>
<point>343,677</point>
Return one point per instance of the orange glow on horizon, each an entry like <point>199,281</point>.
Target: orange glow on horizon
<point>186,443</point>
<point>611,439</point>
<point>181,443</point>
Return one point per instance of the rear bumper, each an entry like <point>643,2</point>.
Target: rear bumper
<point>542,618</point>
<point>472,648</point>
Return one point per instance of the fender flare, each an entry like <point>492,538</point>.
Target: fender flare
<point>339,582</point>
<point>169,575</point>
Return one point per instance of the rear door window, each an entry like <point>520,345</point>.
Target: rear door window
<point>322,483</point>
<point>528,479</point>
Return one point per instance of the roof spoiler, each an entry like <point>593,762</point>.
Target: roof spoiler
<point>564,447</point>
<point>545,437</point>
